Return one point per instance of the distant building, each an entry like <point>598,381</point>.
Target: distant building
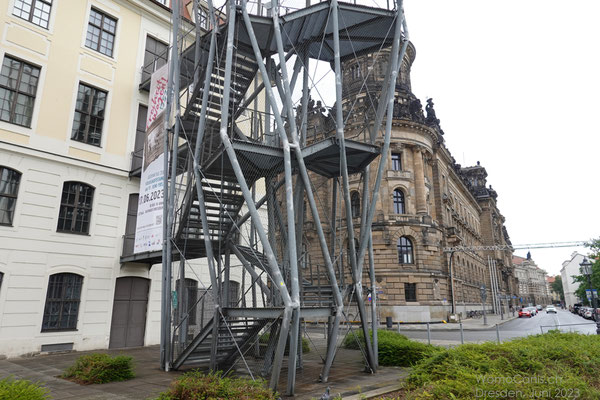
<point>554,295</point>
<point>533,286</point>
<point>570,268</point>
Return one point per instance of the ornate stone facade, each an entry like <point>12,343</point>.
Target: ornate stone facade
<point>532,282</point>
<point>427,202</point>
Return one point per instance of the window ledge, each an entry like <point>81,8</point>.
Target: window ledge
<point>76,144</point>
<point>74,233</point>
<point>58,330</point>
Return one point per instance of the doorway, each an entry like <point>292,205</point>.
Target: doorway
<point>128,324</point>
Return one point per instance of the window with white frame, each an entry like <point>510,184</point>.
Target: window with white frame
<point>18,87</point>
<point>35,11</point>
<point>101,32</point>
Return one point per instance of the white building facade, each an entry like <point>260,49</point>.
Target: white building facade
<point>569,269</point>
<point>72,119</point>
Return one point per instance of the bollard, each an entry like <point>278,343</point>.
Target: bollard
<point>542,329</point>
<point>388,322</point>
<point>462,335</point>
<point>428,334</point>
<point>398,326</point>
<point>498,332</point>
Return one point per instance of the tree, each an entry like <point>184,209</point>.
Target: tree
<point>558,287</point>
<point>584,283</point>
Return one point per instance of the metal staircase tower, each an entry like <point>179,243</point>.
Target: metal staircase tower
<point>241,172</point>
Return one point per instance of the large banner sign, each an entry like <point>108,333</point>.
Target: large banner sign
<point>148,230</point>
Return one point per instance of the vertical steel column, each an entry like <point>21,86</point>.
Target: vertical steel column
<point>183,309</point>
<point>168,206</point>
<point>492,285</point>
<point>287,163</point>
<point>374,319</point>
<point>226,278</point>
<point>451,272</point>
<point>363,226</point>
<point>333,216</point>
<point>498,294</point>
<point>345,182</point>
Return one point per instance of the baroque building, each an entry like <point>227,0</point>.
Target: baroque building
<point>427,202</point>
<point>532,281</point>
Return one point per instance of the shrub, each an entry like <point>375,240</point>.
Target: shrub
<point>264,339</point>
<point>394,349</point>
<point>553,365</point>
<point>196,385</point>
<point>19,389</point>
<point>100,368</point>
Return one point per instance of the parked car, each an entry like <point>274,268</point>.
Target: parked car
<point>532,310</point>
<point>550,309</point>
<point>576,308</point>
<point>525,313</point>
<point>539,307</point>
<point>588,313</point>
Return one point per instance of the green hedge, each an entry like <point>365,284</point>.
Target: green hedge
<point>394,349</point>
<point>20,389</point>
<point>100,368</point>
<point>195,385</point>
<point>553,365</point>
<point>264,339</point>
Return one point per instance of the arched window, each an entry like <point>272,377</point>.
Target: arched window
<point>62,302</point>
<point>399,202</point>
<point>9,189</point>
<point>405,251</point>
<point>75,208</point>
<point>355,204</point>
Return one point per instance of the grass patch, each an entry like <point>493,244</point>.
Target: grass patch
<point>264,339</point>
<point>100,368</point>
<point>553,365</point>
<point>21,389</point>
<point>394,349</point>
<point>195,385</point>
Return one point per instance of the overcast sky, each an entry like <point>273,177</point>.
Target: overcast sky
<point>515,85</point>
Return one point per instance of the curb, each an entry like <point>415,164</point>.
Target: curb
<point>376,392</point>
<point>455,327</point>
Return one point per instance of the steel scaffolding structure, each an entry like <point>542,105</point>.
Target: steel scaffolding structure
<point>237,133</point>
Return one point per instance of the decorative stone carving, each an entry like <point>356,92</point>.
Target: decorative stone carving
<point>416,111</point>
<point>432,119</point>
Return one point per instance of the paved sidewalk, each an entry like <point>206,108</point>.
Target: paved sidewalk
<point>149,380</point>
<point>347,375</point>
<point>471,324</point>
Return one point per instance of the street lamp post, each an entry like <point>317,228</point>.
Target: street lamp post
<point>483,297</point>
<point>586,269</point>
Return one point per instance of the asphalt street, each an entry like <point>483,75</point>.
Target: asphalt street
<point>563,320</point>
